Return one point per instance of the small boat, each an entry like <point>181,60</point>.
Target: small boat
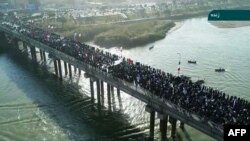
<point>220,70</point>
<point>191,61</point>
<point>151,47</point>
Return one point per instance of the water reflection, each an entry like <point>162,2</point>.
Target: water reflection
<point>64,103</point>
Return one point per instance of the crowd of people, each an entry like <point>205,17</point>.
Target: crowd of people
<point>192,96</point>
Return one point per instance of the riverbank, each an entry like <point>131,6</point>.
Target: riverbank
<point>126,35</point>
<point>230,24</point>
<point>135,34</point>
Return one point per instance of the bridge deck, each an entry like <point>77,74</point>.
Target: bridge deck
<point>159,105</point>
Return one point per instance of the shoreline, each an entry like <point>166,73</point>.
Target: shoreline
<point>133,35</point>
<point>107,39</point>
<point>229,24</point>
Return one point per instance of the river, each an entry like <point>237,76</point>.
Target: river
<point>36,106</point>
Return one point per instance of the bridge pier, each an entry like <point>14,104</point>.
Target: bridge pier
<point>163,126</point>
<point>33,53</point>
<point>75,69</point>
<point>35,57</point>
<point>79,71</point>
<point>55,66</point>
<point>44,56</point>
<point>109,98</point>
<point>60,69</point>
<point>152,122</point>
<point>98,92</point>
<point>152,125</point>
<point>92,90</point>
<point>173,130</point>
<point>70,71</point>
<point>102,91</point>
<point>182,125</point>
<point>119,99</point>
<point>113,100</point>
<point>65,68</point>
<point>41,54</point>
<point>118,91</point>
<point>112,89</point>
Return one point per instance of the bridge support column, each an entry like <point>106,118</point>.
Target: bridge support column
<point>92,90</point>
<point>163,126</point>
<point>65,68</point>
<point>70,71</point>
<point>118,91</point>
<point>35,57</point>
<point>33,53</point>
<point>55,66</point>
<point>44,56</point>
<point>152,125</point>
<point>112,89</point>
<point>75,69</point>
<point>119,98</point>
<point>41,54</point>
<point>80,71</point>
<point>109,98</point>
<point>152,122</point>
<point>173,130</point>
<point>182,125</point>
<point>98,92</point>
<point>102,91</point>
<point>60,69</point>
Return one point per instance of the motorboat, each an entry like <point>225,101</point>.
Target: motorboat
<point>192,61</point>
<point>151,47</point>
<point>220,70</point>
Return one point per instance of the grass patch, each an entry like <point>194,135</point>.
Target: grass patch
<point>134,34</point>
<point>108,35</point>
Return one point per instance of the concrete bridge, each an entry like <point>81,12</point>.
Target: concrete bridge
<point>166,111</point>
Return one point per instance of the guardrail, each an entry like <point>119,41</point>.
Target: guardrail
<point>160,105</point>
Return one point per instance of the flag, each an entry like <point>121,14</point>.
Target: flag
<point>130,61</point>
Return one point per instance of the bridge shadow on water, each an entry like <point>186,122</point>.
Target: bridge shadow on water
<point>71,109</point>
<point>183,135</point>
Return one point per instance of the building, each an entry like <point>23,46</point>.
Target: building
<point>32,5</point>
<point>5,5</point>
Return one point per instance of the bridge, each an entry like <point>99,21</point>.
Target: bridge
<point>166,111</point>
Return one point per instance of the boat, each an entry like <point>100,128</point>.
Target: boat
<point>220,70</point>
<point>191,61</point>
<point>151,47</point>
